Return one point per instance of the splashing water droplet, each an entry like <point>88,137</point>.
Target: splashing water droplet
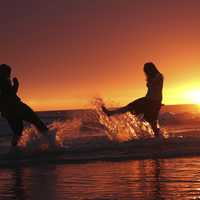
<point>89,124</point>
<point>59,132</point>
<point>123,127</point>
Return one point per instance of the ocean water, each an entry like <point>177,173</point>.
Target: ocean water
<point>177,178</point>
<point>91,156</point>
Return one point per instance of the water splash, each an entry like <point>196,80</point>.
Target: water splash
<point>123,127</point>
<point>84,128</point>
<point>59,132</point>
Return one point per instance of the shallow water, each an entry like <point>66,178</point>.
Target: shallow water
<point>149,179</point>
<point>177,178</point>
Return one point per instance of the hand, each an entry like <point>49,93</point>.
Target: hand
<point>15,81</point>
<point>15,84</point>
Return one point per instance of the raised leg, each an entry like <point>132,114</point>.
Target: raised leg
<point>116,111</point>
<point>136,107</point>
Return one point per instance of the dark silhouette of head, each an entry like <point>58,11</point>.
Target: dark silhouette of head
<point>150,70</point>
<point>5,71</point>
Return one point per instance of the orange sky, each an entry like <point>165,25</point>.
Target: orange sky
<point>67,52</point>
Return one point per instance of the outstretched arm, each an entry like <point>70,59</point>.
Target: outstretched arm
<point>15,85</point>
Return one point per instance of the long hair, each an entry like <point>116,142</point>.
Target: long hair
<point>150,70</point>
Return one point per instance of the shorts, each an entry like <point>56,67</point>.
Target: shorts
<point>149,108</point>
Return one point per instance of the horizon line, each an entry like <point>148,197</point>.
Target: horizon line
<point>90,108</point>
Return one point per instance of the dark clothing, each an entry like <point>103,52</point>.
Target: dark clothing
<point>8,96</point>
<point>145,106</point>
<point>24,113</point>
<point>149,108</point>
<point>16,111</point>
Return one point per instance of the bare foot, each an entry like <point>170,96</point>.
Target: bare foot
<point>105,110</point>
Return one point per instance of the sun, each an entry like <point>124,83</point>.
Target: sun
<point>193,96</point>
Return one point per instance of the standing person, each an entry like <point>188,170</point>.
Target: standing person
<point>12,108</point>
<point>149,105</point>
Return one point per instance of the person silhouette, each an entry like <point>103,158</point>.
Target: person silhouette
<point>149,105</point>
<point>12,108</point>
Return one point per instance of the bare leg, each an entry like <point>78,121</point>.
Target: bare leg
<point>30,116</point>
<point>116,111</point>
<point>135,107</point>
<point>155,128</point>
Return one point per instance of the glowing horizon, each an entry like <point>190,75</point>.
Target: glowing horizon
<point>66,52</point>
<point>182,98</point>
